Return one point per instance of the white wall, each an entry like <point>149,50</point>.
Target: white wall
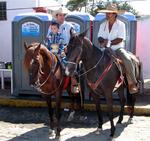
<point>143,44</point>
<point>5,26</point>
<point>21,6</point>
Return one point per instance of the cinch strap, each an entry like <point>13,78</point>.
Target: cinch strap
<point>95,85</point>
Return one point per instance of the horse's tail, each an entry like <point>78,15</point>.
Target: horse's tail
<point>141,79</point>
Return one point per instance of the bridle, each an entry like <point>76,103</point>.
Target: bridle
<point>52,69</point>
<point>90,69</point>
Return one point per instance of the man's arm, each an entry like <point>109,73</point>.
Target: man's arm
<point>116,41</point>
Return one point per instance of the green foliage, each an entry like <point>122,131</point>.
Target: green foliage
<point>121,6</point>
<point>76,4</point>
<point>93,9</point>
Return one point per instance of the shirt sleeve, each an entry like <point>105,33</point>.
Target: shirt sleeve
<point>122,31</point>
<point>100,32</point>
<point>61,39</point>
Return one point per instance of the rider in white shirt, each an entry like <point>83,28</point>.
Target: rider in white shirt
<point>112,33</point>
<point>117,31</point>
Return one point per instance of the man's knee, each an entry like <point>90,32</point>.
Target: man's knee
<point>122,53</point>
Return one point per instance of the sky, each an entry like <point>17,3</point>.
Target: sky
<point>143,7</point>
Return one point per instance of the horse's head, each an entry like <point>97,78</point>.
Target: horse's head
<point>32,62</point>
<point>74,52</point>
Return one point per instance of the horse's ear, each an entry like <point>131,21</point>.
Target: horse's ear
<point>37,49</point>
<point>25,45</point>
<point>83,34</point>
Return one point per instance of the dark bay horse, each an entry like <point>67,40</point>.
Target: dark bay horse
<point>95,62</point>
<point>46,75</point>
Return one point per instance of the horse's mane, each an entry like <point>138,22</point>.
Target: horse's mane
<point>91,46</point>
<point>30,53</point>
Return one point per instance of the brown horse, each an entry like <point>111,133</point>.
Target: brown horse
<point>102,75</point>
<point>46,75</point>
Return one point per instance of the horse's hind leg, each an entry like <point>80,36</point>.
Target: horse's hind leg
<point>122,103</point>
<point>131,98</point>
<point>109,101</point>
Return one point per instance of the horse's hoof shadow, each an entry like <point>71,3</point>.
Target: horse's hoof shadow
<point>82,118</point>
<point>71,116</point>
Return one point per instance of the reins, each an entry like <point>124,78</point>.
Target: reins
<point>93,66</point>
<point>51,70</point>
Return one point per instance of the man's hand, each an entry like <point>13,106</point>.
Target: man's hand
<point>65,49</point>
<point>63,54</point>
<point>104,43</point>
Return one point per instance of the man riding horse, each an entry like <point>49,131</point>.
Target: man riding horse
<point>65,28</point>
<point>112,34</point>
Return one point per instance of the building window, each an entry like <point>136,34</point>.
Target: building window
<point>3,12</point>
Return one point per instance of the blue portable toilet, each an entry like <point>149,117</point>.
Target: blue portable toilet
<point>81,21</point>
<point>27,27</point>
<point>131,26</point>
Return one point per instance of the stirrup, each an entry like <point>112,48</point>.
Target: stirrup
<point>75,89</point>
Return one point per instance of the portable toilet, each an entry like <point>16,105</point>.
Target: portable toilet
<point>29,28</point>
<point>131,26</point>
<point>81,21</point>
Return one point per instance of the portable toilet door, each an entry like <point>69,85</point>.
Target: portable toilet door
<point>29,28</point>
<point>81,21</point>
<point>131,26</point>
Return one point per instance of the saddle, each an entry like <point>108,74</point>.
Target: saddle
<point>121,68</point>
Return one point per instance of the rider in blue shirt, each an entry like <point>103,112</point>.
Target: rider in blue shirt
<point>55,42</point>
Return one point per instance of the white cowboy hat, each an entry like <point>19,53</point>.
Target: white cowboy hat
<point>61,10</point>
<point>112,8</point>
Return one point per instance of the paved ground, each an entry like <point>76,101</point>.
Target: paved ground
<point>31,124</point>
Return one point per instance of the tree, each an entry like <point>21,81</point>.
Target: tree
<point>121,6</point>
<point>76,4</point>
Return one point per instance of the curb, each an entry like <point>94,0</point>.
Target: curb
<point>139,110</point>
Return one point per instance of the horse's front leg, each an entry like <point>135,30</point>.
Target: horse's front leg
<point>109,101</point>
<point>96,99</point>
<point>51,113</point>
<point>58,113</point>
<point>122,103</point>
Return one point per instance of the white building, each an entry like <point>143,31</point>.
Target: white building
<point>13,8</point>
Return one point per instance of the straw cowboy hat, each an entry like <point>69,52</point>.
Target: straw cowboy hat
<point>112,8</point>
<point>61,10</point>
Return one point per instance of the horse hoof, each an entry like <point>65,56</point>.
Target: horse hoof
<point>57,138</point>
<point>119,122</point>
<point>130,121</point>
<point>112,131</point>
<point>51,133</point>
<point>111,135</point>
<point>98,131</point>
